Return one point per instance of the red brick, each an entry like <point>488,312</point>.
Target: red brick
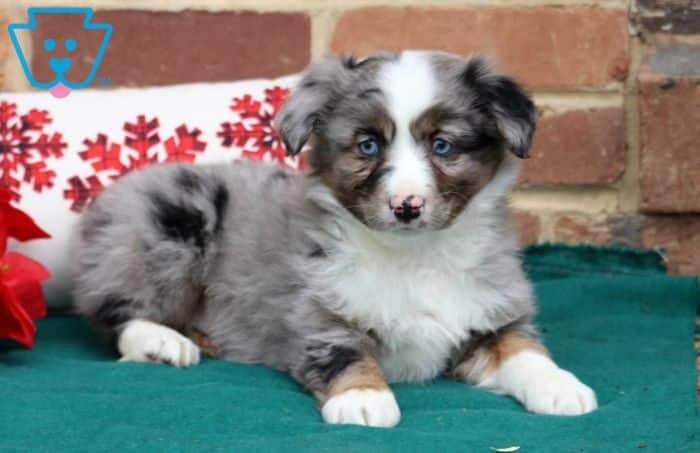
<point>599,229</point>
<point>543,47</point>
<point>577,147</point>
<point>670,161</point>
<point>158,48</point>
<point>528,226</point>
<point>680,237</point>
<point>583,228</point>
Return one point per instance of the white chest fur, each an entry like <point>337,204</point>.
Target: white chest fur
<point>419,313</point>
<point>418,297</point>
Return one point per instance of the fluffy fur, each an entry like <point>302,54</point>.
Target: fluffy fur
<point>320,274</point>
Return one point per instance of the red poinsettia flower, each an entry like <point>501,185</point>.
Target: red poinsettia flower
<point>21,296</point>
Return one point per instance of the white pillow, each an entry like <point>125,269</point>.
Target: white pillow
<point>62,151</point>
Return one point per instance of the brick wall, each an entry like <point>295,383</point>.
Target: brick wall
<point>617,83</point>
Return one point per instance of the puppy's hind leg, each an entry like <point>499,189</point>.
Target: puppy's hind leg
<point>145,341</point>
<point>137,328</point>
<point>138,332</point>
<point>144,249</point>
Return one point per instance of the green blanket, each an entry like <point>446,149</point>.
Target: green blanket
<point>610,316</point>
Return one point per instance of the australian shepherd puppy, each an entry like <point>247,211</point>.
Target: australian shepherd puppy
<point>392,260</point>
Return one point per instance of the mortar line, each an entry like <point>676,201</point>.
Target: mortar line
<point>322,26</point>
<point>629,182</point>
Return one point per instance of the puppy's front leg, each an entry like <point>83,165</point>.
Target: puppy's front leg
<point>350,387</point>
<point>517,364</point>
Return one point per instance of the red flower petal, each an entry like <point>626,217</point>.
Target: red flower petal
<point>5,195</point>
<point>3,235</point>
<point>15,323</point>
<point>31,298</point>
<point>22,269</point>
<point>16,223</point>
<point>21,275</point>
<point>19,225</point>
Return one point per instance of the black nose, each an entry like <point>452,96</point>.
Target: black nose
<point>407,211</point>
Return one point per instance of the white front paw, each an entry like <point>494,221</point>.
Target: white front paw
<point>541,386</point>
<point>365,407</point>
<point>145,341</point>
<point>558,392</point>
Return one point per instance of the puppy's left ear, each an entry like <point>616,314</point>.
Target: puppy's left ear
<point>504,100</point>
<point>304,109</point>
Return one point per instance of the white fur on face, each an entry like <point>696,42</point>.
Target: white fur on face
<point>541,386</point>
<point>410,86</point>
<point>367,407</point>
<point>145,341</point>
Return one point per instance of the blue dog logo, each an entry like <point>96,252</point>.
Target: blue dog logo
<point>58,51</point>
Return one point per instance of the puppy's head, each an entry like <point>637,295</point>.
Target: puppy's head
<point>405,141</point>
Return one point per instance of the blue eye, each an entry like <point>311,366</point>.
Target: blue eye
<point>49,44</point>
<point>369,147</point>
<point>441,147</point>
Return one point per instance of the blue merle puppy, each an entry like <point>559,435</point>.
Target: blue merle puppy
<point>392,260</point>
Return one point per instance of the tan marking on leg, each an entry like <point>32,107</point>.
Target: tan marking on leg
<point>363,374</point>
<point>485,355</point>
<point>203,341</point>
<point>508,345</point>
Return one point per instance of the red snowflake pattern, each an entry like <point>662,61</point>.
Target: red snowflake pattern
<point>25,149</point>
<point>111,160</point>
<point>253,131</point>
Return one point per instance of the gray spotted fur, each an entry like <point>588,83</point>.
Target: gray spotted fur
<point>246,289</point>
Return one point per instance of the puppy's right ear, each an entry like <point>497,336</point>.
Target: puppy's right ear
<point>304,109</point>
<point>502,98</point>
